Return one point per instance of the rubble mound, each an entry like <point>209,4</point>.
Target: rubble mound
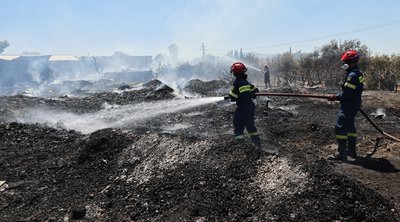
<point>211,88</point>
<point>103,144</point>
<point>153,90</point>
<point>155,84</point>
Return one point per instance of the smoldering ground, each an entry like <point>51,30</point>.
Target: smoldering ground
<point>167,158</point>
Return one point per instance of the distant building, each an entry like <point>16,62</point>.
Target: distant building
<point>121,67</point>
<point>56,58</point>
<point>31,67</point>
<point>24,69</point>
<point>30,53</point>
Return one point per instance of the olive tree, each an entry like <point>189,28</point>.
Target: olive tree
<point>395,66</point>
<point>286,68</point>
<point>378,72</point>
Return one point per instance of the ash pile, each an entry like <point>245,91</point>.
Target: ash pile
<point>211,88</point>
<point>178,164</point>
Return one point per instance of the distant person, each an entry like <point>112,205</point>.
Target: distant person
<point>267,78</point>
<point>350,103</point>
<point>242,93</point>
<point>392,84</point>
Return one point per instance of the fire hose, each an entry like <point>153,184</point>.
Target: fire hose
<point>377,128</point>
<point>294,95</point>
<point>327,97</point>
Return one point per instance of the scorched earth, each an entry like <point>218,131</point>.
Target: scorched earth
<point>149,154</point>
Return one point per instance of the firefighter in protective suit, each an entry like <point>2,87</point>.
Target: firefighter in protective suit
<point>350,103</point>
<point>242,93</point>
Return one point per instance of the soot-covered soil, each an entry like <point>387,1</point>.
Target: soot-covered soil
<point>186,166</point>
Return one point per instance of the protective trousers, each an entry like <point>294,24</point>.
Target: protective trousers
<point>244,117</point>
<point>345,130</point>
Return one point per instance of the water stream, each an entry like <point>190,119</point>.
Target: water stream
<point>114,116</point>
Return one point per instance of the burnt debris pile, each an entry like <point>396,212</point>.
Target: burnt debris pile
<point>152,91</point>
<point>211,88</point>
<point>180,166</point>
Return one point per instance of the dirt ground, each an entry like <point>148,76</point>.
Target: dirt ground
<point>186,166</point>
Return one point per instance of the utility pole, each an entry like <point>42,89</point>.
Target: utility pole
<point>203,49</point>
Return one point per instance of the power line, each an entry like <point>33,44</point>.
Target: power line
<point>359,30</point>
<point>379,26</point>
<point>367,29</point>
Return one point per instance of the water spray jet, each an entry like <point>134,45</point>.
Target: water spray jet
<point>247,65</point>
<point>112,116</point>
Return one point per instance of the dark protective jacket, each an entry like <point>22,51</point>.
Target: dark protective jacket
<point>243,92</point>
<point>350,103</point>
<point>352,87</point>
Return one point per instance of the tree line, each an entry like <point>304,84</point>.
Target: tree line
<point>322,66</point>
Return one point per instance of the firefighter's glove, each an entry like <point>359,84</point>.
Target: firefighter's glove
<point>253,92</point>
<point>332,97</point>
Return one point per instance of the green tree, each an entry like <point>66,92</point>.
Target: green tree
<point>378,72</point>
<point>395,66</point>
<point>322,66</point>
<point>251,58</point>
<point>286,67</point>
<point>329,60</point>
<point>307,69</point>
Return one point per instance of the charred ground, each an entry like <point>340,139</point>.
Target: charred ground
<point>186,166</point>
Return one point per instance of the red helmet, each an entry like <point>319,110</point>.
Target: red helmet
<point>238,68</point>
<point>350,55</point>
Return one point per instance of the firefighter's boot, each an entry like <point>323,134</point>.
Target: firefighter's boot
<point>341,155</point>
<point>256,140</point>
<point>351,149</point>
<point>240,139</point>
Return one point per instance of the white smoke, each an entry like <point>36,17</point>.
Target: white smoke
<point>113,116</point>
<point>36,68</point>
<point>380,112</point>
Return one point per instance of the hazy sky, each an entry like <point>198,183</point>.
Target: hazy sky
<point>147,27</point>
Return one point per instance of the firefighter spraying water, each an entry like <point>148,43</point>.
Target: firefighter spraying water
<point>349,98</point>
<point>328,97</point>
<point>242,93</point>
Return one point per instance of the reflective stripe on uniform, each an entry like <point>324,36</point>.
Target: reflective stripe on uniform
<point>361,79</point>
<point>233,94</point>
<point>244,88</point>
<point>240,137</point>
<point>352,134</point>
<point>254,134</point>
<point>342,137</point>
<point>351,86</point>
